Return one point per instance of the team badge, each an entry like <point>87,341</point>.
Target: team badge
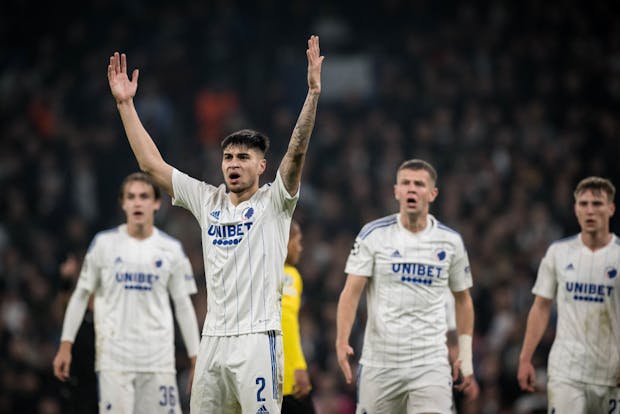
<point>248,212</point>
<point>612,272</point>
<point>441,255</point>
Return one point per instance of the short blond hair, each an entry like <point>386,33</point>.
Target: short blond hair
<point>597,185</point>
<point>417,164</point>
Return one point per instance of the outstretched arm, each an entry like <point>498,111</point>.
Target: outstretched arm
<point>293,161</point>
<point>345,315</point>
<point>537,321</point>
<point>145,150</point>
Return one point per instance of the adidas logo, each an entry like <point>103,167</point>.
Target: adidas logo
<point>215,214</point>
<point>262,410</point>
<point>569,267</point>
<point>396,254</point>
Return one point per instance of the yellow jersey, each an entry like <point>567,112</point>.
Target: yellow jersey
<point>291,300</point>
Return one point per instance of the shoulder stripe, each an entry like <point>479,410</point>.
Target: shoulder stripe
<point>377,224</point>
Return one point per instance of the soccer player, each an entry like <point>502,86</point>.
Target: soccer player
<point>296,380</point>
<point>407,260</point>
<point>581,274</point>
<point>244,237</point>
<point>133,270</point>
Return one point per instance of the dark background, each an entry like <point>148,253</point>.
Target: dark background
<point>513,104</point>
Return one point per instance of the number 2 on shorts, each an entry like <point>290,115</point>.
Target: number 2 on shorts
<point>260,381</point>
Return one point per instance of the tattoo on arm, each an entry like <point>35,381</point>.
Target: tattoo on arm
<point>293,160</point>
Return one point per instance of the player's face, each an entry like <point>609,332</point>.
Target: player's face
<point>414,190</point>
<point>139,203</point>
<point>593,211</point>
<point>241,167</point>
<point>294,245</point>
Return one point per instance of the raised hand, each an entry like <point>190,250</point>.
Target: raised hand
<point>122,87</point>
<point>315,60</point>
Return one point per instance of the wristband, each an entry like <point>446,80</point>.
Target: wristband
<point>465,355</point>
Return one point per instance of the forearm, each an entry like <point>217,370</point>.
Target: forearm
<point>292,163</point>
<point>142,144</point>
<point>188,324</point>
<point>345,316</point>
<point>537,321</point>
<point>464,309</point>
<point>74,315</point>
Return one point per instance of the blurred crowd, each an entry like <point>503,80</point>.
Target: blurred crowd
<point>513,102</point>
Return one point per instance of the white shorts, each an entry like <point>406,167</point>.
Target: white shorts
<point>138,392</point>
<point>236,374</point>
<point>426,389</point>
<point>566,396</point>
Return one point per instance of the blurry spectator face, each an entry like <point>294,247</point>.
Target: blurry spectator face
<point>594,210</point>
<point>414,190</point>
<point>294,244</point>
<point>241,167</point>
<point>139,203</point>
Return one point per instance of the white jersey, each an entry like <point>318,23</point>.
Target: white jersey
<point>409,273</point>
<point>133,281</point>
<point>587,288</point>
<point>244,248</point>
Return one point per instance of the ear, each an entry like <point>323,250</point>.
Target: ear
<point>395,193</point>
<point>612,209</point>
<point>261,166</point>
<point>434,194</point>
<point>157,205</point>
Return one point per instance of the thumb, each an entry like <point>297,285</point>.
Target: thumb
<point>135,75</point>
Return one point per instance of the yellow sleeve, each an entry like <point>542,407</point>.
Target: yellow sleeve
<point>291,300</point>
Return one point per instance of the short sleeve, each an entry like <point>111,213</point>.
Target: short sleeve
<point>460,271</point>
<point>188,275</point>
<point>361,259</point>
<point>180,274</point>
<point>546,280</point>
<point>189,193</point>
<point>89,274</point>
<point>281,198</point>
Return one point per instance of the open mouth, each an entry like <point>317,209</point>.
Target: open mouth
<point>138,214</point>
<point>234,176</point>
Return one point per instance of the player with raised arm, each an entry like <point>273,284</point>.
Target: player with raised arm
<point>133,270</point>
<point>581,274</point>
<point>406,261</point>
<point>244,237</point>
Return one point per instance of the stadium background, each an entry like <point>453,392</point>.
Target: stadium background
<point>513,103</point>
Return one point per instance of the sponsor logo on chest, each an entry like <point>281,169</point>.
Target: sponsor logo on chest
<point>230,234</point>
